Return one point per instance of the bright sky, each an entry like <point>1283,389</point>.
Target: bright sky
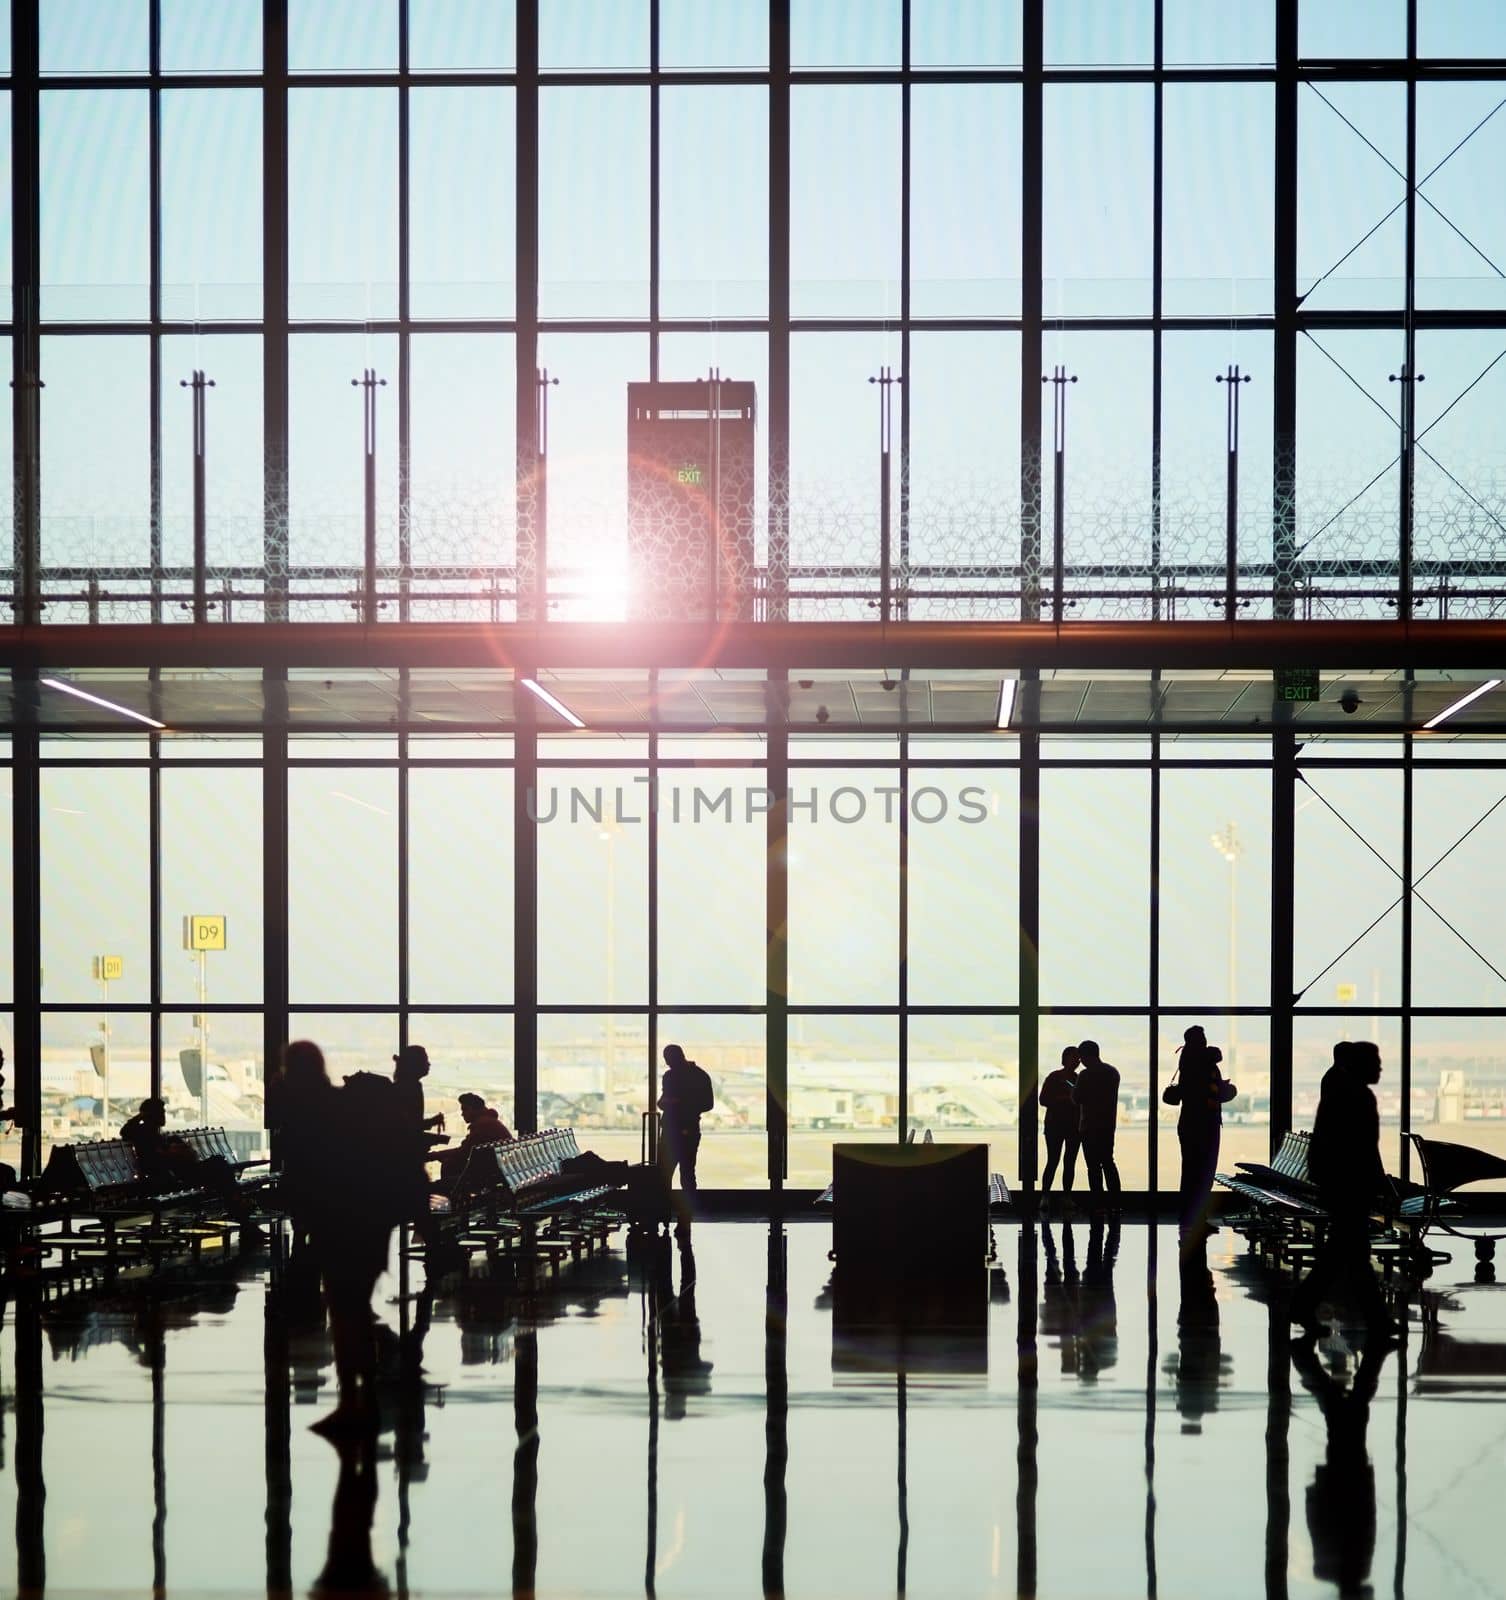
<point>962,393</point>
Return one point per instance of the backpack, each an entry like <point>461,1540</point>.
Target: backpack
<point>702,1097</point>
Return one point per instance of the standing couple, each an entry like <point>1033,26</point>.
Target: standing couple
<point>1081,1101</point>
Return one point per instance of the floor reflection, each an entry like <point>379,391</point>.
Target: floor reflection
<point>1341,1497</point>
<point>715,1412</point>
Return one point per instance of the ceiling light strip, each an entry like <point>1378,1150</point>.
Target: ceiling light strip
<point>1007,689</point>
<point>554,704</point>
<point>1464,700</point>
<point>96,700</point>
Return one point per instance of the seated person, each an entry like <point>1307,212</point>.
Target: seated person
<point>162,1159</point>
<point>166,1160</point>
<point>483,1126</point>
<point>7,1114</point>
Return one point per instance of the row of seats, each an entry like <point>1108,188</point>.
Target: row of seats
<point>527,1174</point>
<point>1282,1190</point>
<point>108,1172</point>
<point>532,1171</point>
<point>1287,1203</point>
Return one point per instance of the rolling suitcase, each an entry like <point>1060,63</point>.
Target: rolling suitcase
<point>647,1199</point>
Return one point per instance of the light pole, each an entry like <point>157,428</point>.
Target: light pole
<point>106,970</point>
<point>1226,841</point>
<point>203,1021</point>
<point>201,934</point>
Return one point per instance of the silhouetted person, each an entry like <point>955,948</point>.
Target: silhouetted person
<point>300,1098</point>
<point>300,1102</point>
<point>483,1126</point>
<point>1060,1121</point>
<point>1096,1096</point>
<point>1341,1498</point>
<point>410,1066</point>
<point>167,1161</point>
<point>146,1133</point>
<point>685,1094</point>
<point>1201,1091</point>
<point>1344,1161</point>
<point>7,1114</point>
<point>368,1182</point>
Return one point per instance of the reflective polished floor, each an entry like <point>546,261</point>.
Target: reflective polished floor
<point>1100,1419</point>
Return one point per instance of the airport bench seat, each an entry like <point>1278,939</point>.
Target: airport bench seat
<point>106,1175</point>
<point>1283,1186</point>
<point>521,1178</point>
<point>214,1143</point>
<point>1447,1167</point>
<point>1283,1191</point>
<point>531,1172</point>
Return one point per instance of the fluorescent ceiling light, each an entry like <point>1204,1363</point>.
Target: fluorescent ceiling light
<point>1006,700</point>
<point>1464,700</point>
<point>95,700</point>
<point>549,700</point>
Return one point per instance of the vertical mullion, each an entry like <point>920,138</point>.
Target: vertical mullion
<point>26,344</point>
<point>525,911</point>
<point>154,514</point>
<point>532,574</point>
<point>154,915</point>
<point>1284,351</point>
<point>776,1388</point>
<point>1158,263</point>
<point>26,909</point>
<point>1153,1169</point>
<point>776,604</point>
<point>1409,348</point>
<point>154,291</point>
<point>776,934</point>
<point>653,193</point>
<point>1408,816</point>
<point>904,935</point>
<point>1029,954</point>
<point>275,545</point>
<point>403,824</point>
<point>404,316</point>
<point>1156,309</point>
<point>531,562</point>
<point>653,909</point>
<point>901,592</point>
<point>275,814</point>
<point>1283,888</point>
<point>1032,106</point>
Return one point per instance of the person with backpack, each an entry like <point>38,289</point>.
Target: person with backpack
<point>1201,1091</point>
<point>686,1097</point>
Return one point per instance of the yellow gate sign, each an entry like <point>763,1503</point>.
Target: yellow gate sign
<point>1348,993</point>
<point>204,933</point>
<point>108,968</point>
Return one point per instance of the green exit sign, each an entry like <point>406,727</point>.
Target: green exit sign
<point>1297,685</point>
